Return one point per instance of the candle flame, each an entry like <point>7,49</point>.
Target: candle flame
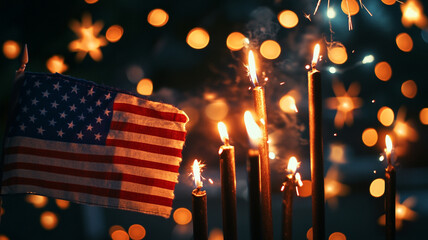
<point>299,180</point>
<point>223,132</point>
<point>253,129</point>
<point>388,143</point>
<point>316,55</point>
<point>252,68</point>
<point>196,168</point>
<point>293,164</point>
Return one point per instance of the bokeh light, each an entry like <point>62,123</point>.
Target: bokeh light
<point>332,70</point>
<point>3,237</point>
<point>119,235</point>
<point>55,64</point>
<point>368,59</point>
<point>136,232</point>
<point>337,236</point>
<point>409,89</point>
<point>377,187</point>
<point>383,71</point>
<point>385,115</point>
<point>235,41</point>
<point>114,33</point>
<point>331,13</point>
<point>182,216</point>
<point>412,11</point>
<point>11,49</point>
<point>270,49</point>
<point>306,189</point>
<point>63,204</point>
<point>369,137</point>
<point>115,228</point>
<point>37,200</point>
<point>217,110</point>
<point>288,19</point>
<point>216,234</point>
<point>91,1</point>
<point>134,73</point>
<point>336,52</point>
<point>89,40</point>
<point>337,153</point>
<point>157,17</point>
<point>404,42</point>
<point>389,2</point>
<point>193,115</point>
<point>48,220</point>
<point>423,116</point>
<point>287,104</point>
<point>145,87</point>
<point>310,234</point>
<point>350,6</point>
<point>198,38</point>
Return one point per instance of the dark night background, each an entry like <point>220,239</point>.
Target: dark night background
<point>193,79</point>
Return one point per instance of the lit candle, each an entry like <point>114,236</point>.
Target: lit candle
<point>228,184</point>
<point>390,190</point>
<point>316,151</point>
<point>199,206</point>
<point>254,182</point>
<point>260,107</point>
<point>289,189</point>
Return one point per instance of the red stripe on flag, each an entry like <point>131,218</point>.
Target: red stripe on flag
<point>91,158</point>
<point>125,107</point>
<point>154,131</point>
<point>104,192</point>
<point>144,147</point>
<point>113,176</point>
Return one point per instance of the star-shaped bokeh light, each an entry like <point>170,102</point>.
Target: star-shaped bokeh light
<point>89,41</point>
<point>344,102</point>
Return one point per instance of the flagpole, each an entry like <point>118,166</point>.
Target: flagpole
<point>13,100</point>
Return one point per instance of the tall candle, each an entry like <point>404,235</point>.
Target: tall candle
<point>390,191</point>
<point>316,148</point>
<point>228,184</point>
<point>199,206</point>
<point>260,107</point>
<point>289,191</point>
<point>254,186</point>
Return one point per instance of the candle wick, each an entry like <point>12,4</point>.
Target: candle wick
<point>226,141</point>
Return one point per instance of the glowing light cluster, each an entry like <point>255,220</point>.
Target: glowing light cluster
<point>344,102</point>
<point>55,64</point>
<point>413,14</point>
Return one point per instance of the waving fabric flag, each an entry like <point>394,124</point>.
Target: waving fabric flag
<point>75,140</point>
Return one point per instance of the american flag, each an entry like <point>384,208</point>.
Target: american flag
<point>75,140</point>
